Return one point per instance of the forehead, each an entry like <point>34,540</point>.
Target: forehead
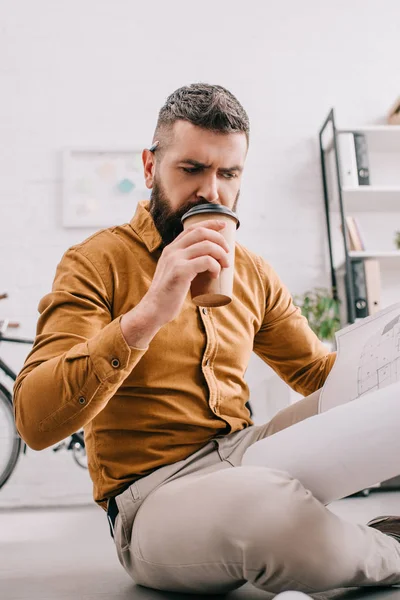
<point>208,147</point>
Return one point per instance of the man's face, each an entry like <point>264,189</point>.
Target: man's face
<point>197,167</point>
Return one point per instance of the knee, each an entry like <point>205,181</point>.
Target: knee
<point>265,503</point>
<point>274,509</point>
<point>280,524</point>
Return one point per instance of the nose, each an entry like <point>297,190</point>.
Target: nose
<point>208,188</point>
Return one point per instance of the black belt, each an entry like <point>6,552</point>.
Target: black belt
<point>112,512</point>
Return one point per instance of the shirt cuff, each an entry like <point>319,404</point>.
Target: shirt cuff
<point>110,353</point>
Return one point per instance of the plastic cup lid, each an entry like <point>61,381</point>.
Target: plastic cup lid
<point>211,208</point>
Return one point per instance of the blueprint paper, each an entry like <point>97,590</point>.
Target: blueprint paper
<point>368,359</point>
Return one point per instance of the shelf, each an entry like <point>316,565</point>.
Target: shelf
<point>384,137</point>
<point>372,129</point>
<point>392,254</point>
<point>376,207</point>
<point>366,198</point>
<point>371,254</point>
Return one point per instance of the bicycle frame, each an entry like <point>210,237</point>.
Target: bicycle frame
<point>7,370</point>
<point>3,367</point>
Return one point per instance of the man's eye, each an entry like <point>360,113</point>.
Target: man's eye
<point>194,170</point>
<point>191,169</point>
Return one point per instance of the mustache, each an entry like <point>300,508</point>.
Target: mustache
<point>175,219</point>
<point>190,205</point>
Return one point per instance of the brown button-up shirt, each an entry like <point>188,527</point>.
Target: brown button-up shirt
<point>144,408</point>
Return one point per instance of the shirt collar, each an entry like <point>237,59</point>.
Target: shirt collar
<point>143,225</point>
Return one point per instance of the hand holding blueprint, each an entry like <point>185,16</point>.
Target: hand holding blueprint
<point>368,358</point>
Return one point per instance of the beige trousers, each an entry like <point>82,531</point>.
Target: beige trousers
<point>208,525</point>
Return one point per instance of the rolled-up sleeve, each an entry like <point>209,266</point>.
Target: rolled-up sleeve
<point>286,342</point>
<point>79,359</point>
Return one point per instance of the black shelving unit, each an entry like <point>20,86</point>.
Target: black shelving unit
<point>327,146</point>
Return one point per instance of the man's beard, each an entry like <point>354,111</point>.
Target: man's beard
<point>167,221</point>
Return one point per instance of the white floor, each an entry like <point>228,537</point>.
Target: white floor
<point>67,553</point>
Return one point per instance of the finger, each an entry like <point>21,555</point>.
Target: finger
<point>207,248</point>
<point>199,234</point>
<point>202,264</point>
<point>214,224</point>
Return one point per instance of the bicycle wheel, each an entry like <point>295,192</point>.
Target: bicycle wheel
<point>79,456</point>
<point>77,446</point>
<point>10,442</point>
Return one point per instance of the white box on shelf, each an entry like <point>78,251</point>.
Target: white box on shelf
<point>347,160</point>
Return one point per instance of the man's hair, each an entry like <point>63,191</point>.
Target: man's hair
<point>210,107</point>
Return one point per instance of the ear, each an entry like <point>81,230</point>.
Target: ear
<point>149,167</point>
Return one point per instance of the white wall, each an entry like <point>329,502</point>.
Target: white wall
<point>95,73</point>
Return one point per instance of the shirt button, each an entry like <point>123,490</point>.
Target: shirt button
<point>82,400</point>
<point>204,311</point>
<point>115,363</point>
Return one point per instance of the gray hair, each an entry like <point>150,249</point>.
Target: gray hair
<point>210,107</point>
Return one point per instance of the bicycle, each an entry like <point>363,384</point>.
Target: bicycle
<point>11,445</point>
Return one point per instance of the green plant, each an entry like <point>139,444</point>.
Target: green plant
<point>397,239</point>
<point>321,311</point>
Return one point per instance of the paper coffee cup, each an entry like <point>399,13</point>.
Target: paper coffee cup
<point>205,290</point>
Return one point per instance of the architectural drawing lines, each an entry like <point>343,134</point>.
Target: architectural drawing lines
<point>380,359</point>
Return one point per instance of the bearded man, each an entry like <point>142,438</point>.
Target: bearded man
<point>158,384</point>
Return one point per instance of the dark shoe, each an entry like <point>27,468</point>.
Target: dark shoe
<point>388,525</point>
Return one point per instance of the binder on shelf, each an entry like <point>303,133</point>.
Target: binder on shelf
<point>359,234</point>
<point>360,143</point>
<point>355,239</point>
<point>373,283</point>
<point>342,296</point>
<point>347,160</point>
<point>366,286</point>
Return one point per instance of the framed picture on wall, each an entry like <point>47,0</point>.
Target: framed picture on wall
<point>101,188</point>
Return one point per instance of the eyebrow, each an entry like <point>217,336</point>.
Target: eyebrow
<point>196,163</point>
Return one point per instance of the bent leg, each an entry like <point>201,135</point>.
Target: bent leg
<point>339,452</point>
<point>213,532</point>
<point>296,412</point>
